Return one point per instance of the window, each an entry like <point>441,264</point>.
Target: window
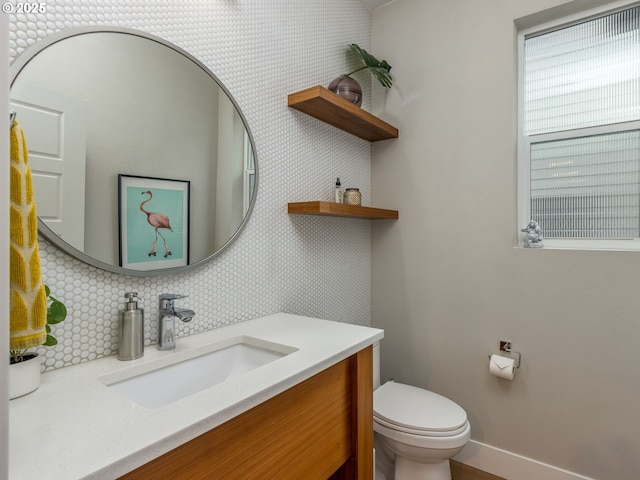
<point>579,146</point>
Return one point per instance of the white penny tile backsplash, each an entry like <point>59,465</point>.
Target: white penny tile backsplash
<point>306,265</point>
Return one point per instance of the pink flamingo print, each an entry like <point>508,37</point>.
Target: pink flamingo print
<point>157,220</point>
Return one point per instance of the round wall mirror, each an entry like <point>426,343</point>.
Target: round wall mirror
<point>142,162</point>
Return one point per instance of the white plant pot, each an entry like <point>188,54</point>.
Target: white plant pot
<point>24,377</point>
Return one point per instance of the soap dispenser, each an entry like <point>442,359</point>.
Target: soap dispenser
<point>338,192</point>
<point>131,329</point>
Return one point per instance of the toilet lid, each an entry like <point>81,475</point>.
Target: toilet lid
<point>417,410</point>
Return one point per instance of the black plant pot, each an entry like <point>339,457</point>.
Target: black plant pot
<point>348,88</point>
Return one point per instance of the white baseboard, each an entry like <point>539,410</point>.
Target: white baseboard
<point>511,466</point>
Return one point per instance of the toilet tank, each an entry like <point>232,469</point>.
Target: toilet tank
<point>376,365</point>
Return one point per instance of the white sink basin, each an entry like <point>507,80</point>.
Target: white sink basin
<point>166,380</point>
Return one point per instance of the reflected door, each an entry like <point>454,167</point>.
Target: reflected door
<point>54,129</point>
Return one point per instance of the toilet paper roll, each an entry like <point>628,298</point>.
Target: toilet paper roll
<point>502,367</point>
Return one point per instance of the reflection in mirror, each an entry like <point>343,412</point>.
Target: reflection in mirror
<point>97,104</point>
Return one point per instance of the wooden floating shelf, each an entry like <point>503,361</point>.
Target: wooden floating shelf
<point>331,209</point>
<point>330,108</point>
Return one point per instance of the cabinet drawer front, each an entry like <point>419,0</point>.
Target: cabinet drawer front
<point>305,432</point>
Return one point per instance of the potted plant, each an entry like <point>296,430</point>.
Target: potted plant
<point>24,366</point>
<point>347,87</point>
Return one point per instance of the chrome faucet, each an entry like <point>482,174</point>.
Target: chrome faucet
<point>167,314</point>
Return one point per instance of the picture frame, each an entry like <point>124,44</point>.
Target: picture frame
<point>153,220</point>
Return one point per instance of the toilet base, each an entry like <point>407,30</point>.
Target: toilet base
<point>409,470</point>
<point>391,466</point>
<point>384,465</point>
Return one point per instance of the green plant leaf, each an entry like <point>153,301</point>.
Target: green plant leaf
<point>56,313</point>
<point>379,69</point>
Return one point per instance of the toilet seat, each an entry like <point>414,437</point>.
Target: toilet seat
<point>425,441</point>
<point>420,433</point>
<point>415,411</point>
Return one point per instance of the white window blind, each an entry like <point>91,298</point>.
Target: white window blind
<point>581,127</point>
<point>587,187</point>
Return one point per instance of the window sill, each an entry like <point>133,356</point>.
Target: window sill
<point>597,245</point>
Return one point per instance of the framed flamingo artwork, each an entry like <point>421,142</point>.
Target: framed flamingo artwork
<point>154,222</point>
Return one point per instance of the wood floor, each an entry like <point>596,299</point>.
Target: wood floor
<point>460,471</point>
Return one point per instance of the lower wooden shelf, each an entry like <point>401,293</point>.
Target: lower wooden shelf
<point>331,209</point>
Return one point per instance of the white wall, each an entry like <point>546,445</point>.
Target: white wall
<point>4,254</point>
<point>448,282</point>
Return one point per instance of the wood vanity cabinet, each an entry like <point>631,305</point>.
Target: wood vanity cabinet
<point>319,429</point>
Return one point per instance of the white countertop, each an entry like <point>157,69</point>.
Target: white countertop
<point>74,427</point>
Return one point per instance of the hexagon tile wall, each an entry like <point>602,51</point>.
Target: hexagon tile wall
<point>261,51</point>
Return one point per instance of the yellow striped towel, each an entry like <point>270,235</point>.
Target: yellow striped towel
<point>28,302</point>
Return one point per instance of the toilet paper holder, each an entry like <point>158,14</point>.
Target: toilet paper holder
<point>505,346</point>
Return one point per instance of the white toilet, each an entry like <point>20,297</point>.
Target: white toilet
<point>419,429</point>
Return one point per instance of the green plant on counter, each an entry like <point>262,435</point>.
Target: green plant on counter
<point>379,69</point>
<point>56,313</point>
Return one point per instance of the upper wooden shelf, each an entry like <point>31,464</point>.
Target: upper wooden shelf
<point>341,113</point>
<point>341,210</point>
